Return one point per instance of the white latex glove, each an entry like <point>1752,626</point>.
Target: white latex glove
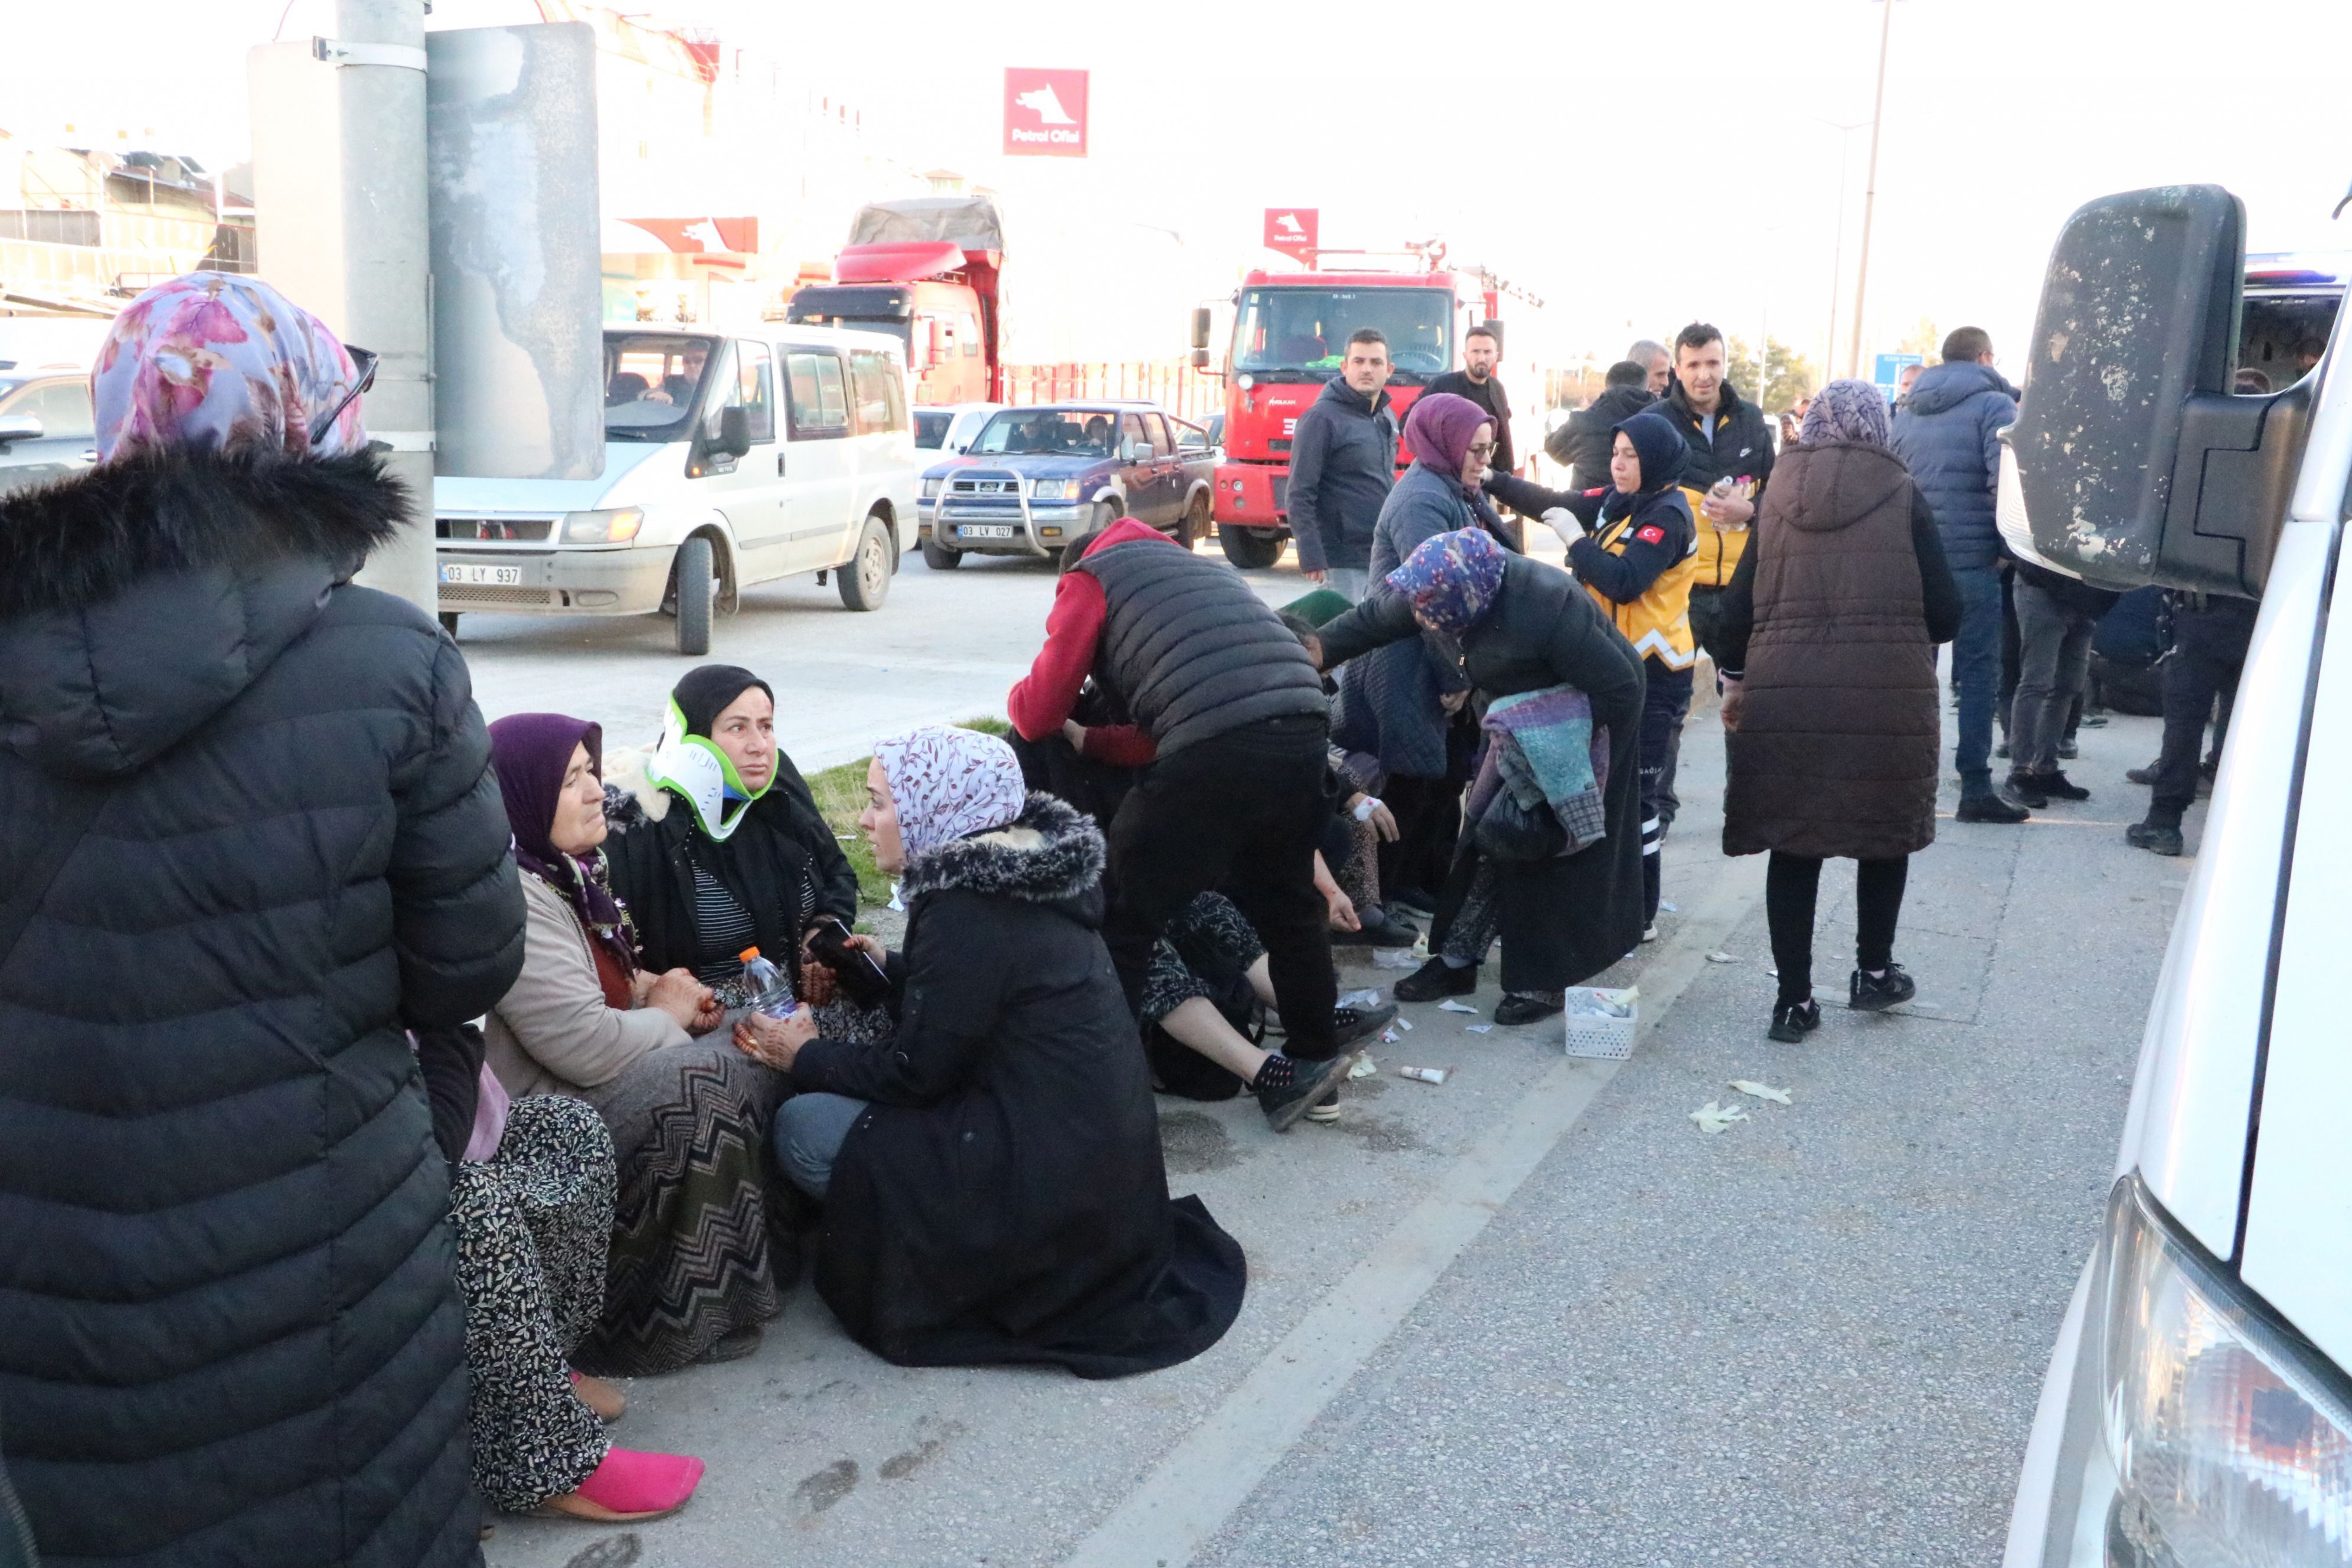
<point>1562,521</point>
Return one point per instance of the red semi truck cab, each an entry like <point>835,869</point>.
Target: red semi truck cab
<point>930,272</point>
<point>1291,337</point>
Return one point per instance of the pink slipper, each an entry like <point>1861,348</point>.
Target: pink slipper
<point>630,1486</point>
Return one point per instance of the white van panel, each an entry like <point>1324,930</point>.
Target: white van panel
<point>2187,1129</point>
<point>2300,1209</point>
<point>456,493</point>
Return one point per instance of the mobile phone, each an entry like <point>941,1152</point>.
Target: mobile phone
<point>860,976</point>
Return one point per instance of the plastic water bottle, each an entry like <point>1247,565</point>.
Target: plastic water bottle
<point>767,988</point>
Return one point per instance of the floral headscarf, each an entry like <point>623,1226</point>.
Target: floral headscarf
<point>1452,580</point>
<point>1846,411</point>
<point>949,784</point>
<point>221,362</point>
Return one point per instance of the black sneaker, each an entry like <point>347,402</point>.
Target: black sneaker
<point>1435,979</point>
<point>1793,1021</point>
<point>2068,751</point>
<point>1518,1009</point>
<point>1309,1082</point>
<point>1892,989</point>
<point>2145,776</point>
<point>1989,807</point>
<point>2156,837</point>
<point>2058,786</point>
<point>2025,790</point>
<point>2001,750</point>
<point>1387,931</point>
<point>1350,1025</point>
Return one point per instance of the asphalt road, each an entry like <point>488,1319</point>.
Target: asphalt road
<point>1531,1316</point>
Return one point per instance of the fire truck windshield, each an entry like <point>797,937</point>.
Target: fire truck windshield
<point>1306,330</point>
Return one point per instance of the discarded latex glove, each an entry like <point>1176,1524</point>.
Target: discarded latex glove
<point>1451,1005</point>
<point>1368,998</point>
<point>1723,958</point>
<point>1479,1029</point>
<point>1365,1066</point>
<point>1761,1090</point>
<point>1713,1118</point>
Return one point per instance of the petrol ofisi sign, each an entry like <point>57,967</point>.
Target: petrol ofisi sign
<point>1291,230</point>
<point>1044,114</point>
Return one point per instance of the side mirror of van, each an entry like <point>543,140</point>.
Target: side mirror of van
<point>2136,462</point>
<point>734,433</point>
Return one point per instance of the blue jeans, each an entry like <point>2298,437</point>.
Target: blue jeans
<point>1976,671</point>
<point>809,1133</point>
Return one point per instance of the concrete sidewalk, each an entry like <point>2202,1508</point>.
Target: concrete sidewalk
<point>1533,1315</point>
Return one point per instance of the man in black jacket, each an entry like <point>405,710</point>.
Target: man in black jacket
<point>1343,467</point>
<point>1481,351</point>
<point>1584,441</point>
<point>1729,441</point>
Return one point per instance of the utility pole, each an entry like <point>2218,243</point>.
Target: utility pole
<point>1869,192</point>
<point>1837,250</point>
<point>339,170</point>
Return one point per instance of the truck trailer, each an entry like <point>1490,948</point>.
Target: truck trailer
<point>930,272</point>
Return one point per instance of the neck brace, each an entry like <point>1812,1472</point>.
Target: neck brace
<point>694,769</point>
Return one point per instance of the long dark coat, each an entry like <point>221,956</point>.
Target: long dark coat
<point>1566,920</point>
<point>1005,1199</point>
<point>1836,750</point>
<point>231,1332</point>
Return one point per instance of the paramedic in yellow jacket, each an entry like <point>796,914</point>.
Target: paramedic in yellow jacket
<point>1634,546</point>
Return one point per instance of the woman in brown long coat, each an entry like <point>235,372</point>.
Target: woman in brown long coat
<point>1829,665</point>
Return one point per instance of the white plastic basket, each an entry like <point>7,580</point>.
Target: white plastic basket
<point>1603,1039</point>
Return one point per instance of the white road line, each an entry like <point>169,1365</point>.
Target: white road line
<point>1190,1494</point>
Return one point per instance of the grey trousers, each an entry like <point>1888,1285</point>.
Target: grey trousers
<point>809,1133</point>
<point>2053,658</point>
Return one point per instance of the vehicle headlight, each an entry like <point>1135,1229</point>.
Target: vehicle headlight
<point>932,489</point>
<point>2232,1448</point>
<point>616,527</point>
<point>1052,489</point>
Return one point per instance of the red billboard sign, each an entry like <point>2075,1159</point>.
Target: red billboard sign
<point>1044,114</point>
<point>1291,230</point>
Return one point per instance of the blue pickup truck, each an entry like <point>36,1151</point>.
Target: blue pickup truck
<point>1038,478</point>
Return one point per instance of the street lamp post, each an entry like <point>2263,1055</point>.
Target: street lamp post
<point>1870,192</point>
<point>1837,250</point>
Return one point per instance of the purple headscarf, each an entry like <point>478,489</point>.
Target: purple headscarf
<point>1847,411</point>
<point>1452,580</point>
<point>1438,433</point>
<point>531,752</point>
<point>221,362</point>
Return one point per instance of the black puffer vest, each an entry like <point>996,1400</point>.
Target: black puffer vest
<point>1191,650</point>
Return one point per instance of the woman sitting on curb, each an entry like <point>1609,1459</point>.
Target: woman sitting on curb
<point>992,1175</point>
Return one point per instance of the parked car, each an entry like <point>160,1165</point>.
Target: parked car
<point>944,431</point>
<point>2197,1408</point>
<point>45,428</point>
<point>1037,478</point>
<point>729,461</point>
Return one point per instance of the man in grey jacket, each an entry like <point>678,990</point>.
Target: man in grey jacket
<point>1342,466</point>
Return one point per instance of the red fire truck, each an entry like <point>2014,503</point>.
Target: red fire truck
<point>1290,337</point>
<point>928,272</point>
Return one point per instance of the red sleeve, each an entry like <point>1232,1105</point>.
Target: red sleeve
<point>1120,745</point>
<point>1042,698</point>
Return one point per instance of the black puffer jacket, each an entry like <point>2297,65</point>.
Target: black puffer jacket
<point>1004,1200</point>
<point>1584,441</point>
<point>231,1334</point>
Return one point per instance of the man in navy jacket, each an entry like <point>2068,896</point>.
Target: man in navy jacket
<point>1947,436</point>
<point>1343,467</point>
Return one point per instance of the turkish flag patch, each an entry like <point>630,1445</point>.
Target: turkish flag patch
<point>1652,534</point>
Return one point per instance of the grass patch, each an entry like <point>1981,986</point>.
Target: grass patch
<point>841,796</point>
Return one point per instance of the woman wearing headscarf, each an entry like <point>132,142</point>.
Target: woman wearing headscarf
<point>1399,705</point>
<point>1635,547</point>
<point>251,840</point>
<point>695,1262</point>
<point>717,844</point>
<point>1830,631</point>
<point>1521,626</point>
<point>991,1174</point>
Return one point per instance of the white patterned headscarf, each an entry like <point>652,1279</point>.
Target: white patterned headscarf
<point>221,362</point>
<point>949,784</point>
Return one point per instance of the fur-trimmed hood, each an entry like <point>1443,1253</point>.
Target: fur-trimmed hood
<point>1052,853</point>
<point>138,598</point>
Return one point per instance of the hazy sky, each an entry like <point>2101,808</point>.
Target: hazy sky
<point>1636,165</point>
